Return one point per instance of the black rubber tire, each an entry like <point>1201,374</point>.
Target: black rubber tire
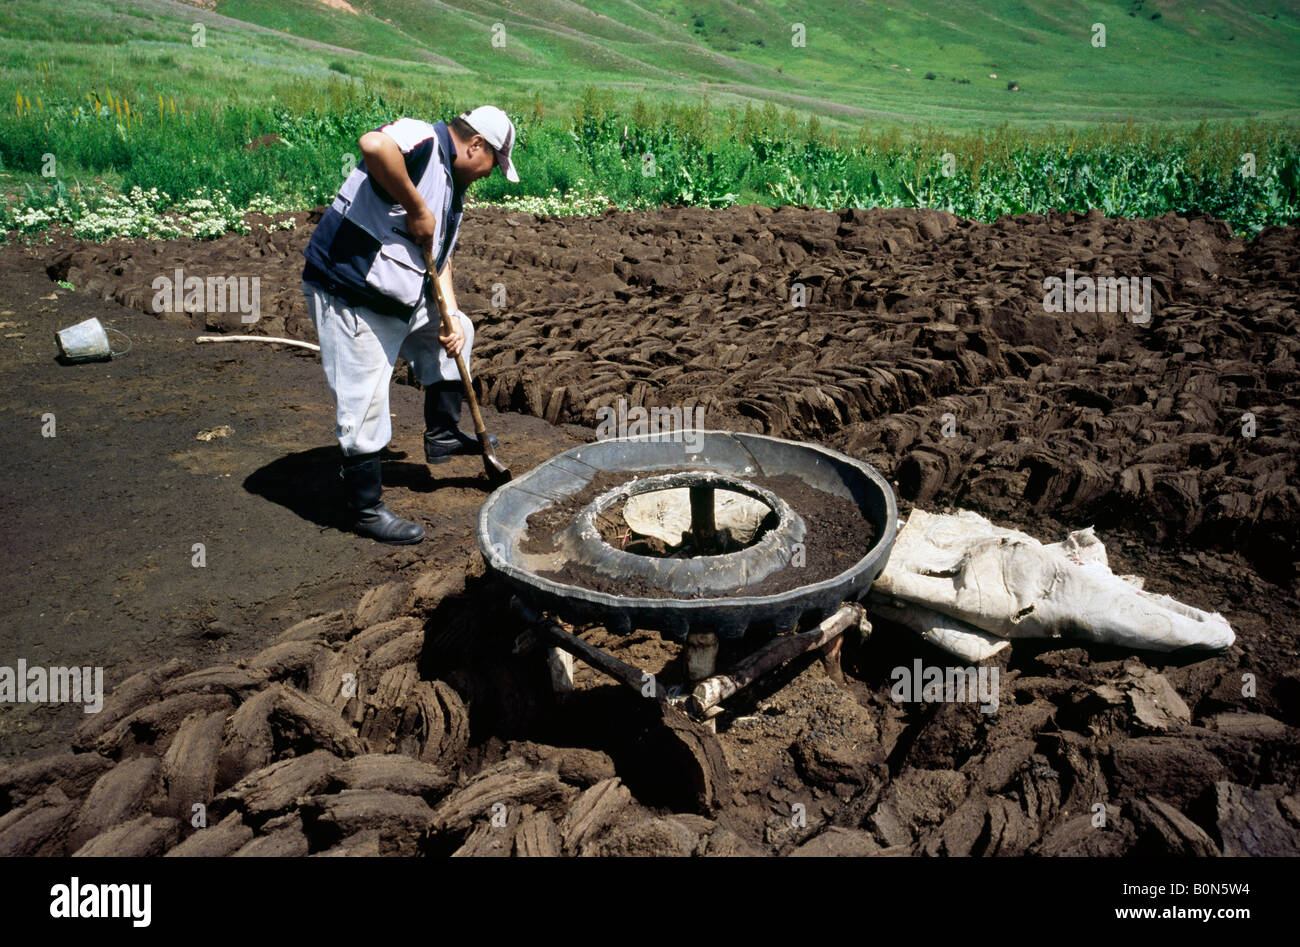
<point>699,575</point>
<point>502,525</point>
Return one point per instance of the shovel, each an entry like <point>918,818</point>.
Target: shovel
<point>496,471</point>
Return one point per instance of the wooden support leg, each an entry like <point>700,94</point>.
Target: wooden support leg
<point>560,665</point>
<point>701,655</point>
<point>702,522</point>
<point>831,660</point>
<point>697,754</point>
<point>709,693</point>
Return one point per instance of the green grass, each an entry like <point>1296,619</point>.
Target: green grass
<point>1207,60</point>
<point>715,90</point>
<point>1210,59</point>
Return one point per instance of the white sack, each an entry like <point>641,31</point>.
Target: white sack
<point>969,644</point>
<point>1008,584</point>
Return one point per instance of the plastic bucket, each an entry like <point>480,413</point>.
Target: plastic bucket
<point>85,342</point>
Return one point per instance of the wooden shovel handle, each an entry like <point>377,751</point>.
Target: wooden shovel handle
<point>439,299</point>
<point>447,329</point>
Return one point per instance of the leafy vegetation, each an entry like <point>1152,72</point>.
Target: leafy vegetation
<point>117,124</point>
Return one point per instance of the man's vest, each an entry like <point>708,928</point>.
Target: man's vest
<point>361,250</point>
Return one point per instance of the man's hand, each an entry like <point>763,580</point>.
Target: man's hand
<point>422,225</point>
<point>455,342</point>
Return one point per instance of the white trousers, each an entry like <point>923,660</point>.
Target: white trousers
<point>358,349</point>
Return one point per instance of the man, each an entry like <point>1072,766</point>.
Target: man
<point>366,287</point>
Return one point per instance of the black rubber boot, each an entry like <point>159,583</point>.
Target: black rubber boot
<point>363,484</point>
<point>443,438</point>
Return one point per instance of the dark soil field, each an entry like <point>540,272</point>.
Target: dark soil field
<point>316,692</point>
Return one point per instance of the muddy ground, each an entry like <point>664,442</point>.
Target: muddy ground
<point>924,349</point>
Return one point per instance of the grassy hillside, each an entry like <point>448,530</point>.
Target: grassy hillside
<point>1162,60</point>
<point>862,61</point>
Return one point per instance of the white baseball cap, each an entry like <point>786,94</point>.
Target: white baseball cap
<point>499,132</point>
